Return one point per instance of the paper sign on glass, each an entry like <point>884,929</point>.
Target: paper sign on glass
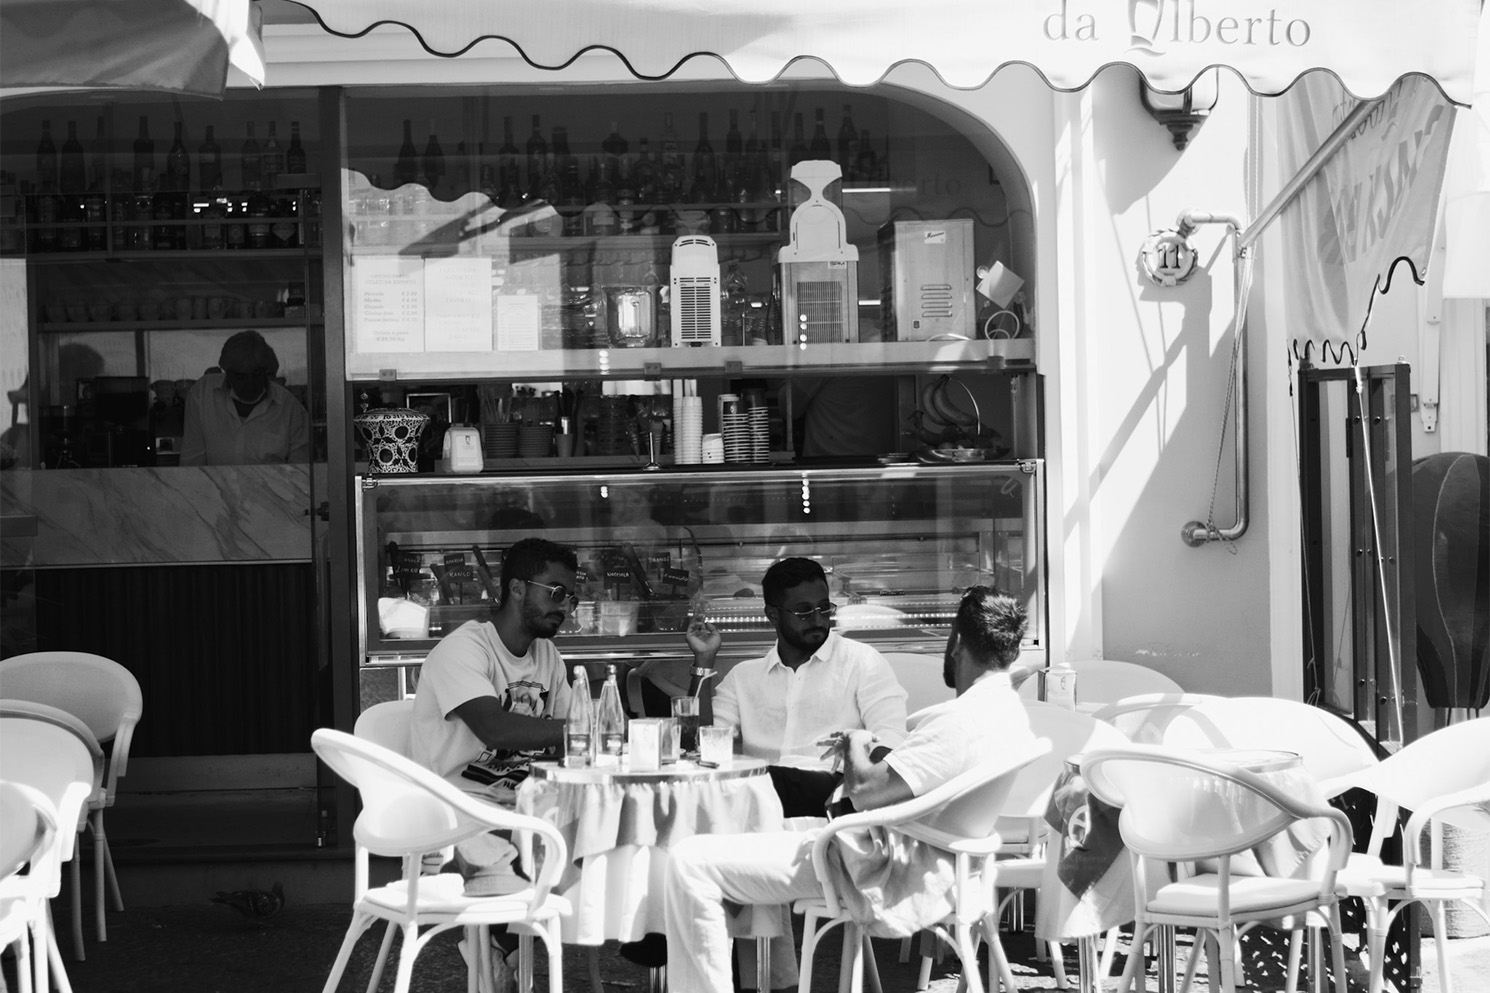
<point>517,322</point>
<point>457,305</point>
<point>388,304</point>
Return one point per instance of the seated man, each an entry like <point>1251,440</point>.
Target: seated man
<point>985,719</point>
<point>812,683</point>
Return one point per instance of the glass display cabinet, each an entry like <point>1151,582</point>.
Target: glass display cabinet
<point>900,543</point>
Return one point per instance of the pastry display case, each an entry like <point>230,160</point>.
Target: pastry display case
<point>899,543</point>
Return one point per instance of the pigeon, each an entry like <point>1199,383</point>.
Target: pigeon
<point>254,904</point>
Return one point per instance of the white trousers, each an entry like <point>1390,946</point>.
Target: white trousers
<point>708,869</point>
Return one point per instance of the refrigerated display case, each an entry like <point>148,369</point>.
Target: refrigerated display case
<point>899,542</point>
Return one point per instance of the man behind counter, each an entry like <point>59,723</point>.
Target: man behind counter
<point>241,416</point>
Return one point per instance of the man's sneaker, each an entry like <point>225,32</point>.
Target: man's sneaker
<point>503,966</point>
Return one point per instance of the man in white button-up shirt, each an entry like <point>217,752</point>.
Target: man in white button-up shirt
<point>814,682</point>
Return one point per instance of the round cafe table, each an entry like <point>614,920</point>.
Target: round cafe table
<point>620,824</point>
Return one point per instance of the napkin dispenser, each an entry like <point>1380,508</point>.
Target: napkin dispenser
<point>465,449</point>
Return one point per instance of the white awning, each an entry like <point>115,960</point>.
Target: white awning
<point>181,46</point>
<point>1368,44</point>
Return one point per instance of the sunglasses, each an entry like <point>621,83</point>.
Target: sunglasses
<point>826,610</point>
<point>558,593</point>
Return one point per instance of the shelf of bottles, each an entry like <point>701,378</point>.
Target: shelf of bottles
<point>79,209</point>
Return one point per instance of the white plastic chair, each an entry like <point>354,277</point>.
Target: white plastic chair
<point>1143,717</point>
<point>921,678</point>
<point>960,819</point>
<point>28,840</point>
<point>106,697</point>
<point>1443,778</point>
<point>1101,681</point>
<point>407,811</point>
<point>387,724</point>
<point>1180,808</point>
<point>40,747</point>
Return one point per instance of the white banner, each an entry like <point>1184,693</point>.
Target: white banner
<point>1368,217</point>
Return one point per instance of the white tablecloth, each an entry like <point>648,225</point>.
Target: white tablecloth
<point>619,827</point>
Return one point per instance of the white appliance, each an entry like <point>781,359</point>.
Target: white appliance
<point>928,279</point>
<point>819,268</point>
<point>694,296</point>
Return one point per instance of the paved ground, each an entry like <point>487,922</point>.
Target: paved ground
<point>212,949</point>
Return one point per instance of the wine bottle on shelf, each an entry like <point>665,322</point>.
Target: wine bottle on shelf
<point>615,148</point>
<point>705,166</point>
<point>461,181</point>
<point>433,161</point>
<point>610,723</point>
<point>753,145</point>
<point>98,159</point>
<point>96,200</point>
<point>47,203</point>
<point>644,178</point>
<point>284,229</point>
<point>819,148</point>
<point>46,159</point>
<point>73,172</point>
<point>274,159</point>
<point>670,179</point>
<point>209,163</point>
<point>579,723</point>
<point>509,176</point>
<point>798,150</point>
<point>178,163</point>
<point>295,158</point>
<point>866,166</point>
<point>537,153</point>
<point>848,145</point>
<point>406,168</point>
<point>251,161</point>
<point>143,175</point>
<point>734,142</point>
<point>258,220</point>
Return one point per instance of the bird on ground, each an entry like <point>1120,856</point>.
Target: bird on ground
<point>254,904</point>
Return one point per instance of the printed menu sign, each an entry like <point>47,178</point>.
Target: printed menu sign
<point>517,322</point>
<point>388,304</point>
<point>457,305</point>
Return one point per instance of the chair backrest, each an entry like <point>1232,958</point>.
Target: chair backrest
<point>28,824</point>
<point>100,692</point>
<point>1452,762</point>
<point>388,725</point>
<point>1331,749</point>
<point>1105,680</point>
<point>48,755</point>
<point>1069,733</point>
<point>1180,807</point>
<point>921,678</point>
<point>1143,717</point>
<point>969,806</point>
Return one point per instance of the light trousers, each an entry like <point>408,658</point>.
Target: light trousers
<point>706,870</point>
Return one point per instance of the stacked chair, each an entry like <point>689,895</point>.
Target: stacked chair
<point>29,876</point>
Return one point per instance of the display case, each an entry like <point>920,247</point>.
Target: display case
<point>899,543</point>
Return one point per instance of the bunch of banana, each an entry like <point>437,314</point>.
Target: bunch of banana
<point>940,422</point>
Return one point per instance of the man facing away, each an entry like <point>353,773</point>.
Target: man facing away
<point>986,719</point>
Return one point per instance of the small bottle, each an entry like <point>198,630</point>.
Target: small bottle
<point>537,152</point>
<point>705,167</point>
<point>406,169</point>
<point>73,174</point>
<point>144,159</point>
<point>579,724</point>
<point>819,148</point>
<point>615,148</point>
<point>509,177</point>
<point>433,161</point>
<point>848,145</point>
<point>610,722</point>
<point>178,163</point>
<point>295,158</point>
<point>209,163</point>
<point>274,159</point>
<point>798,150</point>
<point>251,161</point>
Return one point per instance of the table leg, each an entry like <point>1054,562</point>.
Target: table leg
<point>763,965</point>
<point>1089,979</point>
<point>593,957</point>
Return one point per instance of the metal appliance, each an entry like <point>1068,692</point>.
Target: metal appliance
<point>694,297</point>
<point>928,279</point>
<point>819,268</point>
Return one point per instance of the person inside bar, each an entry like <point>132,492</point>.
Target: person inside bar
<point>239,415</point>
<point>986,718</point>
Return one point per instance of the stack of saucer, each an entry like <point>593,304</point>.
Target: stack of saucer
<point>499,441</point>
<point>712,446</point>
<point>688,429</point>
<point>535,441</point>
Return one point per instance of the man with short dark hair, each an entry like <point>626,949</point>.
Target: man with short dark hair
<point>985,720</point>
<point>241,416</point>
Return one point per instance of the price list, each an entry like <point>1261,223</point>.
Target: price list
<point>389,304</point>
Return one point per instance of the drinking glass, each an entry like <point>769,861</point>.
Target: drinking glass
<point>716,744</point>
<point>685,712</point>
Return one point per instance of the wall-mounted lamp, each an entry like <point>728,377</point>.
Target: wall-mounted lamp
<point>1184,111</point>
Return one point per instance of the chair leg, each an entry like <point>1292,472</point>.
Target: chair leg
<point>1378,920</point>
<point>972,976</point>
<point>108,862</point>
<point>58,972</point>
<point>555,949</point>
<point>1109,954</point>
<point>905,948</point>
<point>1226,945</point>
<point>378,964</point>
<point>853,958</point>
<point>810,935</point>
<point>1135,957</point>
<point>1436,914</point>
<point>871,968</point>
<point>593,960</point>
<point>100,874</point>
<point>358,925</point>
<point>76,872</point>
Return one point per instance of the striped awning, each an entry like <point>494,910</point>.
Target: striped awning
<point>182,46</point>
<point>1367,44</point>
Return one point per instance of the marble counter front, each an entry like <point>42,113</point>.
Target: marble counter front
<point>167,516</point>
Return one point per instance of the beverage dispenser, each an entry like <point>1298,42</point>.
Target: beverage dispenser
<point>819,268</point>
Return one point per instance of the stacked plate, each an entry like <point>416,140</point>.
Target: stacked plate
<point>499,441</point>
<point>613,427</point>
<point>688,430</point>
<point>535,441</point>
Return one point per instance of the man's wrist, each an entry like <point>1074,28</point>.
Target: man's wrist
<point>702,670</point>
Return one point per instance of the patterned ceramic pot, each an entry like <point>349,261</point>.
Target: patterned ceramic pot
<point>392,438</point>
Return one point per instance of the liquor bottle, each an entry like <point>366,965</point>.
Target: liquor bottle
<point>406,169</point>
<point>461,182</point>
<point>734,145</point>
<point>705,166</point>
<point>433,160</point>
<point>251,161</point>
<point>274,159</point>
<point>144,159</point>
<point>867,166</point>
<point>284,230</point>
<point>178,163</point>
<point>615,148</point>
<point>209,163</point>
<point>509,176</point>
<point>644,173</point>
<point>798,150</point>
<point>214,235</point>
<point>670,177</point>
<point>295,157</point>
<point>579,723</point>
<point>163,208</point>
<point>258,223</point>
<point>73,173</point>
<point>819,148</point>
<point>753,146</point>
<point>610,723</point>
<point>848,145</point>
<point>537,154</point>
<point>96,200</point>
<point>46,159</point>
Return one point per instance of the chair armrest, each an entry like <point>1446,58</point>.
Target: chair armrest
<point>1426,813</point>
<point>119,757</point>
<point>524,826</point>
